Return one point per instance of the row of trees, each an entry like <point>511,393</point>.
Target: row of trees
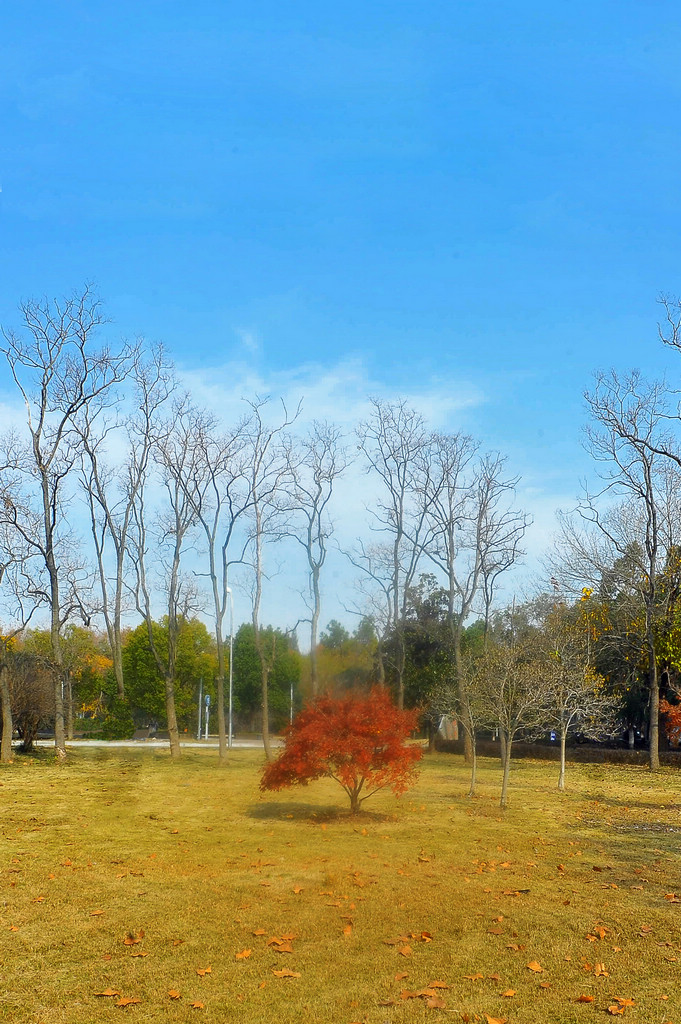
<point>176,500</point>
<point>91,703</point>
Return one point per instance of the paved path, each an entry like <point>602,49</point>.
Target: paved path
<point>209,744</point>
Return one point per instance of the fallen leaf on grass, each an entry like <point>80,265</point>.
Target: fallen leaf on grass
<point>285,973</point>
<point>243,955</point>
<point>509,993</point>
<point>174,994</point>
<point>438,984</point>
<point>544,984</point>
<point>405,950</point>
<point>201,971</point>
<point>347,930</point>
<point>259,931</point>
<point>139,952</point>
<point>197,1006</point>
<point>600,971</point>
<point>495,1020</point>
<point>625,1002</point>
<point>536,967</point>
<point>131,939</point>
<point>108,992</point>
<point>401,975</point>
<point>96,913</point>
<point>584,999</point>
<point>435,1003</point>
<point>127,1001</point>
<point>474,977</point>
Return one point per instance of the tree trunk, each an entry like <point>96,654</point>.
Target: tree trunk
<point>561,776</point>
<point>503,803</point>
<point>7,725</point>
<point>631,737</point>
<point>502,746</point>
<point>69,706</point>
<point>173,731</point>
<point>314,625</point>
<point>474,766</point>
<point>463,697</point>
<point>654,730</point>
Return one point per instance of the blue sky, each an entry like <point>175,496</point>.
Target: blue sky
<point>474,204</point>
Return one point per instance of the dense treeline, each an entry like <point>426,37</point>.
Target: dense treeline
<point>126,509</point>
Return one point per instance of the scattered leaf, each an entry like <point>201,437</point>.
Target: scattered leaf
<point>509,993</point>
<point>286,973</point>
<point>174,994</point>
<point>243,955</point>
<point>405,950</point>
<point>536,967</point>
<point>108,992</point>
<point>197,1005</point>
<point>584,999</point>
<point>401,975</point>
<point>202,971</point>
<point>127,1001</point>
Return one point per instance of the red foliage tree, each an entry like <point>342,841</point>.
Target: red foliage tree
<point>672,723</point>
<point>358,741</point>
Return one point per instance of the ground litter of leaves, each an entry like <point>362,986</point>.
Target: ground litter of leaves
<point>135,887</point>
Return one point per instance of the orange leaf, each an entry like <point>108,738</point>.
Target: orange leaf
<point>435,1003</point>
<point>96,913</point>
<point>438,984</point>
<point>401,976</point>
<point>108,992</point>
<point>243,955</point>
<point>544,984</point>
<point>474,977</point>
<point>536,967</point>
<point>584,999</point>
<point>174,994</point>
<point>347,930</point>
<point>201,971</point>
<point>259,931</point>
<point>495,1020</point>
<point>600,971</point>
<point>127,1001</point>
<point>283,947</point>
<point>405,950</point>
<point>197,1006</point>
<point>509,993</point>
<point>139,952</point>
<point>615,1010</point>
<point>286,973</point>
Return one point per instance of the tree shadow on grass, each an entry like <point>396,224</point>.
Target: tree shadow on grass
<point>313,814</point>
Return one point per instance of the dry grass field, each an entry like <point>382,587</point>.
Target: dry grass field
<point>188,896</point>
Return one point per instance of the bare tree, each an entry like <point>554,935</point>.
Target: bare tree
<point>112,490</point>
<point>626,439</point>
<point>396,447</point>
<point>475,536</point>
<point>267,478</point>
<point>177,463</point>
<point>516,694</point>
<point>57,374</point>
<point>316,462</point>
<point>577,698</point>
<point>218,492</point>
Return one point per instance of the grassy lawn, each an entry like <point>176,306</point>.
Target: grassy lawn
<point>121,871</point>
